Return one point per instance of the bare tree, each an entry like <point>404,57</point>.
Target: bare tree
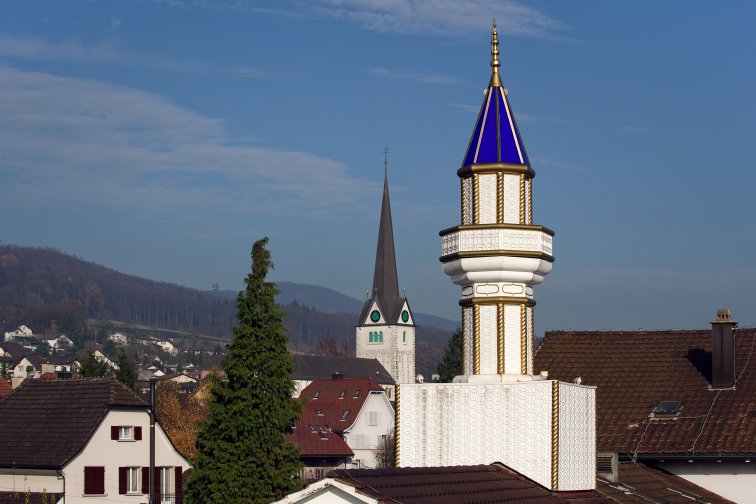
<point>385,453</point>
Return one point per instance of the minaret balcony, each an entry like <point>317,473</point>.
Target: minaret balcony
<point>496,240</point>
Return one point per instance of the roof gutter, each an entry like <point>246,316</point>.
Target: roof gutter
<point>648,457</point>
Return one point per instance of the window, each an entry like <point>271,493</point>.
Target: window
<point>668,407</point>
<point>344,415</point>
<point>128,480</point>
<point>356,393</point>
<point>380,336</point>
<point>359,441</point>
<point>94,481</point>
<point>404,336</point>
<point>126,432</point>
<point>166,484</point>
<point>373,417</point>
<point>343,393</point>
<point>316,394</point>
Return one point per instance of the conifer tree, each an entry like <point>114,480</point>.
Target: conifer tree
<point>244,455</point>
<point>451,363</point>
<point>127,372</point>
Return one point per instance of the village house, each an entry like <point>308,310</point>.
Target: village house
<point>84,441</point>
<point>683,401</point>
<point>322,367</point>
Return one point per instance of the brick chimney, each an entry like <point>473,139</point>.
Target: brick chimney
<point>723,350</point>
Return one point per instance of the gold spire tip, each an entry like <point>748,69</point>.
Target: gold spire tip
<point>495,64</point>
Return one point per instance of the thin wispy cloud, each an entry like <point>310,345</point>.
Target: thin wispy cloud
<point>115,23</point>
<point>544,119</point>
<point>472,109</point>
<point>66,140</point>
<point>412,76</point>
<point>33,48</point>
<point>420,17</point>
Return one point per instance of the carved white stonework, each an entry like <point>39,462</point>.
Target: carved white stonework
<point>468,204</point>
<point>511,199</point>
<point>478,240</point>
<point>497,289</point>
<point>487,192</point>
<point>512,339</point>
<point>468,324</point>
<point>577,437</point>
<point>445,424</point>
<point>488,339</point>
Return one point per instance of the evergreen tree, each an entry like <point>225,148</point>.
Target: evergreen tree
<point>127,372</point>
<point>92,367</point>
<point>451,364</point>
<point>244,454</point>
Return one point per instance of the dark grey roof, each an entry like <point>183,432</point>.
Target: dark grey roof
<point>45,423</point>
<point>313,367</point>
<point>385,279</point>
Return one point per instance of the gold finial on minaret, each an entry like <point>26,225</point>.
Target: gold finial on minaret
<point>495,79</point>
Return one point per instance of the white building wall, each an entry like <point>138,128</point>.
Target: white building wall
<point>511,423</point>
<point>101,451</point>
<point>37,481</point>
<point>733,480</point>
<point>365,433</point>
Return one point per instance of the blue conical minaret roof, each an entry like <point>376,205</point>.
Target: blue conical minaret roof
<point>496,138</point>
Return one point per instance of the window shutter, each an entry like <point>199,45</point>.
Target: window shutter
<point>94,480</point>
<point>138,433</point>
<point>179,483</point>
<point>114,431</point>
<point>145,480</point>
<point>122,480</point>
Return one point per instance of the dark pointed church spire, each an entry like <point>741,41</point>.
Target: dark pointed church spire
<point>385,282</point>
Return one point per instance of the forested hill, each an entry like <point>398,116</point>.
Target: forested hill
<point>42,285</point>
<point>50,291</point>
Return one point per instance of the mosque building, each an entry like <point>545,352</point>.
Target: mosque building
<point>498,410</point>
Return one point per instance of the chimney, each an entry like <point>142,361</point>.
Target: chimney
<point>723,350</point>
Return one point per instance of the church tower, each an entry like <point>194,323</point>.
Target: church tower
<point>386,328</point>
<point>496,254</point>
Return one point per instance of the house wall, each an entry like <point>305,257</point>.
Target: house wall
<point>362,429</point>
<point>112,454</point>
<point>733,480</point>
<point>37,480</point>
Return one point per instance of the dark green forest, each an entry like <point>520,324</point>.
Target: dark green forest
<point>54,293</point>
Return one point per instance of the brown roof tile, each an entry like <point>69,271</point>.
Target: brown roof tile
<point>637,482</point>
<point>636,370</point>
<point>45,423</point>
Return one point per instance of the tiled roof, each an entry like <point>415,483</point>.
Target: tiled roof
<point>641,484</point>
<point>5,388</point>
<point>318,441</point>
<point>634,371</point>
<point>339,401</point>
<point>440,485</point>
<point>313,367</point>
<point>45,423</point>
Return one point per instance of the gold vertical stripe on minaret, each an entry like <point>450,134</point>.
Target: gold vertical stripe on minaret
<point>476,198</point>
<point>476,339</point>
<point>463,206</point>
<point>500,338</point>
<point>397,437</point>
<point>500,198</point>
<point>465,371</point>
<point>522,199</point>
<point>530,201</point>
<point>554,435</point>
<point>523,339</point>
<point>530,335</point>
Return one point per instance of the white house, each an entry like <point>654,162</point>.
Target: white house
<point>21,332</point>
<point>357,408</point>
<point>87,442</point>
<point>118,338</point>
<point>62,342</point>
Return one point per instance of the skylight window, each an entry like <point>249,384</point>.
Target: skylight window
<point>316,394</point>
<point>344,415</point>
<point>357,393</point>
<point>318,412</point>
<point>343,393</point>
<point>668,407</point>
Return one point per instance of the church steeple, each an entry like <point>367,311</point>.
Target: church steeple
<point>385,329</point>
<point>385,282</point>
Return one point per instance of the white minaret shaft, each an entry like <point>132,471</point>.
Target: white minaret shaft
<point>496,254</point>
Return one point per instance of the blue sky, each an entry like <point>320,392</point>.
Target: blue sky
<point>129,138</point>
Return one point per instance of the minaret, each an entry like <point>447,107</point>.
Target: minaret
<point>496,254</point>
<point>386,328</point>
